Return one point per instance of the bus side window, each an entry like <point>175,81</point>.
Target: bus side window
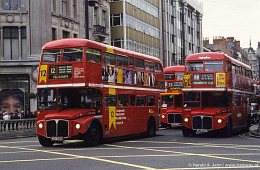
<point>109,58</point>
<point>233,68</point>
<point>158,68</point>
<point>121,61</point>
<point>131,62</point>
<point>110,100</point>
<point>139,63</point>
<point>140,100</point>
<point>228,66</point>
<point>149,66</point>
<point>123,100</point>
<point>73,54</point>
<point>132,100</point>
<point>93,55</point>
<point>150,100</point>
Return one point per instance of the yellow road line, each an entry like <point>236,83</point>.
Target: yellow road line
<point>185,153</point>
<point>73,155</point>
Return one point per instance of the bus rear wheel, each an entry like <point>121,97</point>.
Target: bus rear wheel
<point>93,135</point>
<point>151,128</point>
<point>45,141</point>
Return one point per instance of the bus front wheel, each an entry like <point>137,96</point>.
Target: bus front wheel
<point>45,141</point>
<point>187,132</point>
<point>93,135</point>
<point>227,131</point>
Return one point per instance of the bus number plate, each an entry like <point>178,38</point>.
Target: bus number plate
<point>202,130</point>
<point>57,138</point>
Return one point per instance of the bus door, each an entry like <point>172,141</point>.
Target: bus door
<point>237,111</point>
<point>109,115</point>
<point>133,113</point>
<point>141,113</point>
<point>245,111</point>
<point>124,118</point>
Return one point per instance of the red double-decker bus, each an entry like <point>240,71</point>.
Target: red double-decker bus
<point>171,101</point>
<point>88,91</point>
<point>217,92</point>
<point>255,105</point>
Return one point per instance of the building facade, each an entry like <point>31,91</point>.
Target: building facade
<point>253,62</point>
<point>257,54</point>
<point>181,30</point>
<point>135,25</point>
<point>26,25</point>
<point>231,47</point>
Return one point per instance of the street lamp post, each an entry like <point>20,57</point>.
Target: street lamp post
<point>88,3</point>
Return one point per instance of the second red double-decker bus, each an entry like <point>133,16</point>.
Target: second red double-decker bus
<point>171,101</point>
<point>87,90</point>
<point>217,92</point>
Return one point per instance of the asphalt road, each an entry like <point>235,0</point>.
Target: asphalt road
<point>168,150</point>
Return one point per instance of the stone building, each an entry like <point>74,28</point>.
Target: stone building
<point>26,25</point>
<point>135,25</point>
<point>181,30</point>
<point>229,46</point>
<point>253,62</point>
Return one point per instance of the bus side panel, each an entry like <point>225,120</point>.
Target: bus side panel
<point>124,121</point>
<point>93,72</point>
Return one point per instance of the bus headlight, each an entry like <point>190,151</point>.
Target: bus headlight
<point>40,125</point>
<point>186,119</point>
<point>77,126</point>
<point>163,116</point>
<point>219,121</point>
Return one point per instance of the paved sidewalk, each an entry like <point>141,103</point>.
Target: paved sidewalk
<point>255,130</point>
<point>17,134</point>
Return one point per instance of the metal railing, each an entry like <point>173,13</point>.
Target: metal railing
<point>18,127</point>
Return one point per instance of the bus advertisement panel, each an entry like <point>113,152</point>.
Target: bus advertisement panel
<point>89,91</point>
<point>217,93</point>
<point>171,101</point>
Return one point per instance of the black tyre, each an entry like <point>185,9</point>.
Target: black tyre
<point>248,124</point>
<point>93,135</point>
<point>45,141</point>
<point>187,132</point>
<point>164,125</point>
<point>151,128</point>
<point>227,131</point>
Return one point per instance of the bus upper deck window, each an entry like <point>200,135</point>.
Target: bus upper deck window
<point>179,75</point>
<point>73,54</point>
<point>51,56</point>
<point>93,55</point>
<point>158,68</point>
<point>131,62</point>
<point>139,63</point>
<point>169,76</point>
<point>109,58</point>
<point>149,66</point>
<point>122,61</point>
<point>213,65</point>
<point>196,66</point>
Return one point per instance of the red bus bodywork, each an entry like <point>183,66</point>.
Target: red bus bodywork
<point>171,101</point>
<point>81,84</point>
<point>217,92</point>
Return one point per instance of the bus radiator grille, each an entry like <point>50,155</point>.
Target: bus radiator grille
<point>202,122</point>
<point>57,128</point>
<point>174,118</point>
